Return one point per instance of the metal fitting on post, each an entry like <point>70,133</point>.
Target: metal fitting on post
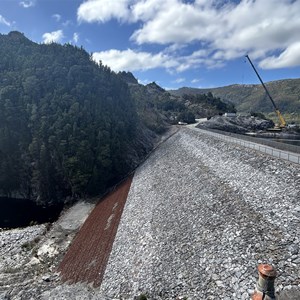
<point>265,289</point>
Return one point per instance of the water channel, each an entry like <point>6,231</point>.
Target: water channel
<point>23,212</point>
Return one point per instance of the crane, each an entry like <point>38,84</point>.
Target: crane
<point>282,122</point>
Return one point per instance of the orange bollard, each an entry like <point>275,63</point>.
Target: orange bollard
<point>265,289</point>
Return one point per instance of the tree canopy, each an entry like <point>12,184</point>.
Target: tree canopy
<point>66,122</point>
<point>70,126</point>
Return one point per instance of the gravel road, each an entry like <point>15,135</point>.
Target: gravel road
<point>200,215</point>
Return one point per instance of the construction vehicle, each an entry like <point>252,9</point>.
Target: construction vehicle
<point>282,122</point>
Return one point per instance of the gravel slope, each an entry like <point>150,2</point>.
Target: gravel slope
<point>29,257</point>
<point>200,215</point>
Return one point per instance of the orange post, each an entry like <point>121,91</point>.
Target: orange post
<point>265,289</point>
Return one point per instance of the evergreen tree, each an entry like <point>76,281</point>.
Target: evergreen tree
<point>66,122</point>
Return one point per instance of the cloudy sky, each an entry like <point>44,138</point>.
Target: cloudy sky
<point>198,43</point>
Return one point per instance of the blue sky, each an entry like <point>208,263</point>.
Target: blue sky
<point>195,43</point>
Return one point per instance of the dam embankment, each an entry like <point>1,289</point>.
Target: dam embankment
<point>200,215</point>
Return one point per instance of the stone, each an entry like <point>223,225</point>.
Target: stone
<point>200,215</point>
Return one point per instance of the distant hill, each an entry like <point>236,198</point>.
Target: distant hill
<point>246,98</point>
<point>158,107</point>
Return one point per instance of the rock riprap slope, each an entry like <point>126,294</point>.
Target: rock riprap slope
<point>29,258</point>
<point>200,215</point>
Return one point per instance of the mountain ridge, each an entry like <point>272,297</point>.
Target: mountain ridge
<point>252,97</point>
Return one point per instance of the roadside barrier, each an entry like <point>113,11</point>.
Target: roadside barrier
<point>282,154</point>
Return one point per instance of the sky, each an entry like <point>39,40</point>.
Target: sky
<point>175,43</point>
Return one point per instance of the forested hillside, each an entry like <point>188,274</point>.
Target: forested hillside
<point>70,126</point>
<point>67,125</point>
<point>252,97</point>
<point>156,106</point>
<point>147,99</point>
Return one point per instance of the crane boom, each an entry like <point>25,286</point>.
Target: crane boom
<point>280,116</point>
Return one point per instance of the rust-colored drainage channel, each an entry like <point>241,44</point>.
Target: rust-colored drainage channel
<point>88,254</point>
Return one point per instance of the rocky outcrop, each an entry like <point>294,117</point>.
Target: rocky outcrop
<point>237,124</point>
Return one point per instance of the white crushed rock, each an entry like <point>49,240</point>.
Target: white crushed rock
<point>75,216</point>
<point>70,292</point>
<point>14,242</point>
<point>30,256</point>
<point>200,216</point>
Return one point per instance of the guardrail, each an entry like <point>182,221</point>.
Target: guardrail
<point>286,155</point>
<point>264,141</point>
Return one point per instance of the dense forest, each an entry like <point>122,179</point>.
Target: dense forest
<point>71,127</point>
<point>67,123</point>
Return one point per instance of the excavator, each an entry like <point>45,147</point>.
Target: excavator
<point>282,122</point>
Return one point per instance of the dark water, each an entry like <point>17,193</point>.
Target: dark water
<point>21,212</point>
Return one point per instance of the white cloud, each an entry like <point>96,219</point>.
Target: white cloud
<point>237,26</point>
<point>57,17</point>
<point>224,30</point>
<point>27,4</point>
<point>179,80</point>
<point>130,60</point>
<point>196,80</point>
<point>144,82</point>
<point>146,10</point>
<point>177,23</point>
<point>231,30</point>
<point>4,21</point>
<point>75,37</point>
<point>54,36</point>
<point>288,58</point>
<point>103,10</point>
<point>67,23</point>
